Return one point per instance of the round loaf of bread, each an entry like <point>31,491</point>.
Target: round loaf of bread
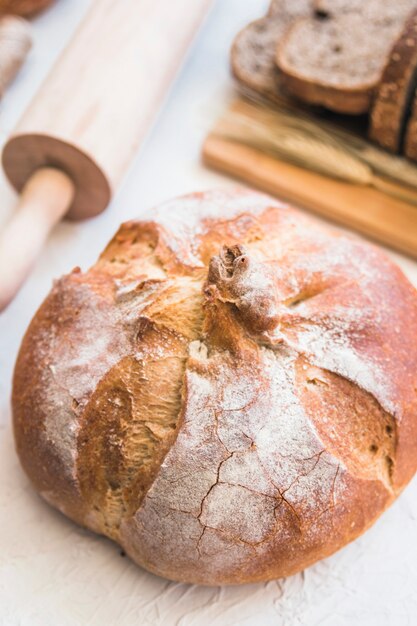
<point>229,393</point>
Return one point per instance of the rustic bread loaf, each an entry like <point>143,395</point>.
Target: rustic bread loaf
<point>394,93</point>
<point>336,59</point>
<point>26,8</point>
<point>253,50</point>
<point>229,393</point>
<point>410,140</point>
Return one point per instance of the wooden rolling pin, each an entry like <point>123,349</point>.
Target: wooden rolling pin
<point>73,145</point>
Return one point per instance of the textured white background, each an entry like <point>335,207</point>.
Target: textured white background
<point>53,573</point>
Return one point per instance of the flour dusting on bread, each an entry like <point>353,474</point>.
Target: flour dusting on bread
<point>229,392</point>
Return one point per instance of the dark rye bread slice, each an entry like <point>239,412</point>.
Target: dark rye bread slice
<point>394,94</point>
<point>336,60</point>
<point>410,139</point>
<point>253,50</point>
<point>253,54</point>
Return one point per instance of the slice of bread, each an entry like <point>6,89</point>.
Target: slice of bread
<point>253,54</point>
<point>253,50</point>
<point>395,91</point>
<point>336,59</point>
<point>410,139</point>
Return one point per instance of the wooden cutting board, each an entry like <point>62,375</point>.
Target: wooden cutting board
<point>365,209</point>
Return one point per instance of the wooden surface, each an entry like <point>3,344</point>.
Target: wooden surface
<point>102,95</point>
<point>361,208</point>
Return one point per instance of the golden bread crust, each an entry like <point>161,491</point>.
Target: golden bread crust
<point>229,392</point>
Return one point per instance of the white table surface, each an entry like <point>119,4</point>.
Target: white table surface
<point>54,573</point>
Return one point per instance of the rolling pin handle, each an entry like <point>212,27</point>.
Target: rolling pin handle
<point>46,197</point>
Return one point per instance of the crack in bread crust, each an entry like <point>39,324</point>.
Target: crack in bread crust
<point>298,493</point>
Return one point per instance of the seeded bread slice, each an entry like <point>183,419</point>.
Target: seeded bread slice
<point>410,139</point>
<point>394,94</point>
<point>337,60</point>
<point>253,50</point>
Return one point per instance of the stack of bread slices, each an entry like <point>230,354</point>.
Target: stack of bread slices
<point>350,56</point>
